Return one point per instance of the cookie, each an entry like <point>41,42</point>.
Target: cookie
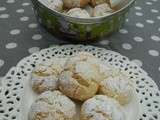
<point>74,86</point>
<point>102,10</point>
<point>78,13</point>
<point>119,87</point>
<point>52,106</point>
<point>45,76</point>
<point>56,5</point>
<point>81,76</point>
<point>101,107</point>
<point>75,3</point>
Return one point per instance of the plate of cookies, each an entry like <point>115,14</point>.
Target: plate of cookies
<point>76,82</point>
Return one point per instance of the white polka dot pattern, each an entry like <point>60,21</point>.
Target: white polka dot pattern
<point>32,25</point>
<point>150,21</point>
<point>155,38</point>
<point>2,8</point>
<point>139,14</point>
<point>127,46</point>
<point>4,16</point>
<point>25,18</point>
<point>36,37</point>
<point>33,49</point>
<point>154,11</point>
<point>104,42</point>
<point>25,4</point>
<point>153,52</point>
<point>140,25</point>
<point>11,45</point>
<point>123,31</point>
<point>138,39</point>
<point>20,11</point>
<point>148,3</point>
<point>138,8</point>
<point>1,62</point>
<point>10,1</point>
<point>15,31</point>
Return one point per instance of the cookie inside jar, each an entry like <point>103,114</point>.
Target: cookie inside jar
<point>84,8</point>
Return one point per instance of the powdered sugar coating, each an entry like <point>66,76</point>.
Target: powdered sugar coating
<point>117,85</point>
<point>45,76</point>
<point>44,83</point>
<point>87,66</point>
<point>76,87</point>
<point>110,71</point>
<point>101,10</point>
<point>120,84</point>
<point>78,13</point>
<point>80,77</point>
<point>101,107</point>
<point>53,106</point>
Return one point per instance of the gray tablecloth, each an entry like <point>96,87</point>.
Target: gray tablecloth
<point>139,39</point>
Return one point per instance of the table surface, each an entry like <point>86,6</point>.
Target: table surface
<point>139,39</point>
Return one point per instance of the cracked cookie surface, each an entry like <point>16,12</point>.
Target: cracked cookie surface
<point>81,76</point>
<point>118,86</point>
<point>52,106</point>
<point>101,107</point>
<point>45,76</point>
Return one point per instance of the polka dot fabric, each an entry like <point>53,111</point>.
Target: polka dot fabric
<point>138,39</point>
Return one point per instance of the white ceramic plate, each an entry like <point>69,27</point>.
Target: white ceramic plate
<point>16,95</point>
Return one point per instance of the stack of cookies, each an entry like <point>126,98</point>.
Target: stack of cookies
<point>83,8</point>
<point>102,89</point>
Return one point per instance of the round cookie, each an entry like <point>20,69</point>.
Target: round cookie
<point>78,13</point>
<point>45,76</point>
<point>101,10</point>
<point>56,5</point>
<point>52,106</point>
<point>81,75</point>
<point>118,87</point>
<point>74,86</point>
<point>101,107</point>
